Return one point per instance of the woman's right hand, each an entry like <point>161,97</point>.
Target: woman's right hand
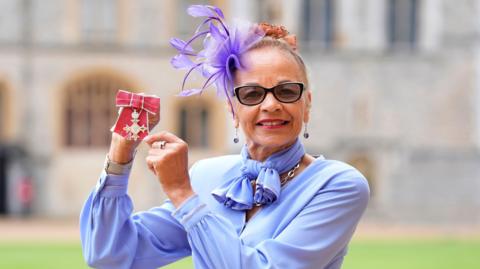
<point>122,150</point>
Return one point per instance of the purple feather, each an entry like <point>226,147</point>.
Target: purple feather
<point>182,46</point>
<point>222,49</point>
<point>232,63</point>
<point>219,12</point>
<point>197,35</point>
<point>210,20</point>
<point>202,11</point>
<point>190,92</point>
<point>210,80</point>
<point>188,74</point>
<point>215,33</point>
<point>181,61</point>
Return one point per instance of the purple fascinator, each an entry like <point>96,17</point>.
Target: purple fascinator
<point>222,47</point>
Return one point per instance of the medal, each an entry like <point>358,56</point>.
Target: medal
<point>134,109</point>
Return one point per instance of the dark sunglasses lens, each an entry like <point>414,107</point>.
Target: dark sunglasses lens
<point>250,95</point>
<point>288,93</point>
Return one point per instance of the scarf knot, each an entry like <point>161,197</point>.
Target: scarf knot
<point>237,193</point>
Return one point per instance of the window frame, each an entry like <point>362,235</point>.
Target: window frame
<point>81,118</point>
<point>95,26</point>
<point>195,116</point>
<point>403,31</point>
<point>325,36</point>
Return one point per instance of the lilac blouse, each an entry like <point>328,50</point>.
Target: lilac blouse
<point>308,227</point>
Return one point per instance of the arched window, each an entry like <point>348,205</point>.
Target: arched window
<point>194,123</point>
<point>90,109</point>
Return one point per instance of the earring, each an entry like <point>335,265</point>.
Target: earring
<point>235,139</point>
<point>305,132</point>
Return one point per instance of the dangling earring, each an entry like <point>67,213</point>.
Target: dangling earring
<point>305,132</point>
<point>235,139</point>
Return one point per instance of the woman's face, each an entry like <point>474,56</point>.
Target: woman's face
<point>271,125</point>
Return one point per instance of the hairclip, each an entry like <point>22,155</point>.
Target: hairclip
<point>223,46</point>
<point>279,32</point>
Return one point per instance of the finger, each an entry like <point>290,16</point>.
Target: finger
<point>153,151</point>
<point>152,170</point>
<point>153,120</point>
<point>150,160</point>
<point>157,145</point>
<point>151,138</point>
<point>162,136</point>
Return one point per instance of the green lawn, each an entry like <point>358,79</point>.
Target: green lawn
<point>413,254</point>
<point>392,254</point>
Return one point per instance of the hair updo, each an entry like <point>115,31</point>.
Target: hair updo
<point>278,37</point>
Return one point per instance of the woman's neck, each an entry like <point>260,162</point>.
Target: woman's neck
<point>261,153</point>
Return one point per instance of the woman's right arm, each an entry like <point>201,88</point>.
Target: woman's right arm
<point>114,238</point>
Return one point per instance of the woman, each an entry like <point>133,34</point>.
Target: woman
<point>272,206</point>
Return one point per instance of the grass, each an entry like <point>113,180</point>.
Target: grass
<point>413,254</point>
<point>372,254</point>
<point>40,255</point>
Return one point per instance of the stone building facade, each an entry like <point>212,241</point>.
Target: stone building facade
<point>396,90</point>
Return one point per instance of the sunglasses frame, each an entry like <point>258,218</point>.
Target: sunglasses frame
<point>267,90</point>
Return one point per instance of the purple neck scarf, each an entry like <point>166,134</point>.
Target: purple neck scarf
<point>237,193</point>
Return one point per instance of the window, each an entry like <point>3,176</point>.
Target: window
<point>90,110</point>
<point>402,18</point>
<point>11,19</point>
<point>99,20</point>
<point>319,22</point>
<point>194,124</point>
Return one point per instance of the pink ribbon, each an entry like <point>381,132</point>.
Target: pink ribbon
<point>150,103</point>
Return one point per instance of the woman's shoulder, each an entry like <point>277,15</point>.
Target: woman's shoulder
<point>334,173</point>
<point>322,164</point>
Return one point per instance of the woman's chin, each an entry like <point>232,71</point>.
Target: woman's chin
<point>274,141</point>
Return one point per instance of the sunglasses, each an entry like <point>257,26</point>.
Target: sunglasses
<point>288,92</point>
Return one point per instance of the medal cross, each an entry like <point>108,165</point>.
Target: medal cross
<point>134,129</point>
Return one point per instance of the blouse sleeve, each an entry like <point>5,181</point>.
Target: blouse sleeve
<point>114,238</point>
<point>312,240</point>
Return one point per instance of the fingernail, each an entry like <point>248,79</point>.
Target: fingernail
<point>146,138</point>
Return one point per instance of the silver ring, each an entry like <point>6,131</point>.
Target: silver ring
<point>162,144</point>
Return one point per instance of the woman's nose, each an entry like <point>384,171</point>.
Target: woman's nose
<point>270,103</point>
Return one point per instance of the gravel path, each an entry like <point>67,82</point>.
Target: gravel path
<point>67,230</point>
<point>51,230</point>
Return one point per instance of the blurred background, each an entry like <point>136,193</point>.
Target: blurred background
<point>396,93</point>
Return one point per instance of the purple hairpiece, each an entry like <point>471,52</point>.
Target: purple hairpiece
<point>222,48</point>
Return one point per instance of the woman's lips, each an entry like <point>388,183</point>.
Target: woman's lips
<point>272,124</point>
